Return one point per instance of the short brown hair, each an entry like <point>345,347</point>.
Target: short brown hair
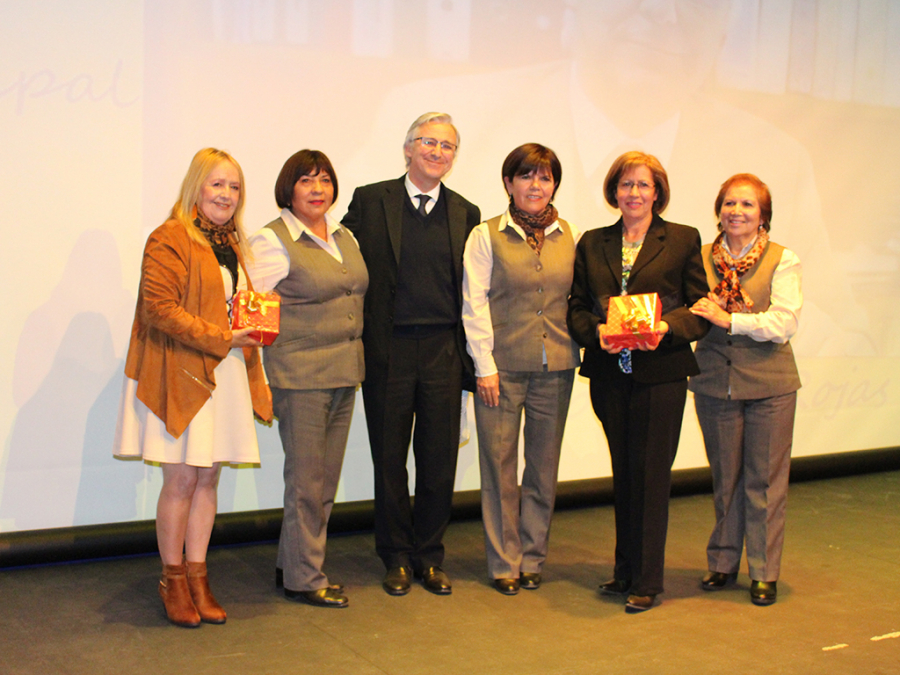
<point>629,161</point>
<point>528,157</point>
<point>763,196</point>
<point>302,163</point>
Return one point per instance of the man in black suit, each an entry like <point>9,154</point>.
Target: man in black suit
<point>412,231</point>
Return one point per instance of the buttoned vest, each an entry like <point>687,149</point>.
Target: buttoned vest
<point>528,299</point>
<point>319,345</point>
<point>737,366</point>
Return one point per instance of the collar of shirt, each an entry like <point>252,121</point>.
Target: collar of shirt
<point>596,136</point>
<point>743,250</point>
<point>412,191</point>
<point>507,221</point>
<point>296,227</point>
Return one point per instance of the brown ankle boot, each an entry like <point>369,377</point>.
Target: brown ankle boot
<point>176,596</point>
<point>210,610</point>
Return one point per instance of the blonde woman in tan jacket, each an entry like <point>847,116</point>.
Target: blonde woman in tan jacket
<point>192,384</point>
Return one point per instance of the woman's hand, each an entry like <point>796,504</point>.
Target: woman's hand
<point>604,345</point>
<point>488,389</point>
<point>709,309</point>
<point>241,338</point>
<point>645,346</point>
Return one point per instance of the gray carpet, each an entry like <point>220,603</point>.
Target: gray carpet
<point>838,609</point>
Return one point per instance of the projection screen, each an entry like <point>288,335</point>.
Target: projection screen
<point>103,103</point>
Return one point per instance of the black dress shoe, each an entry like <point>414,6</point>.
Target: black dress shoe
<point>714,581</point>
<point>763,593</point>
<point>397,581</point>
<point>530,580</point>
<point>615,587</point>
<point>324,597</point>
<point>279,581</point>
<point>434,579</point>
<point>639,603</point>
<point>507,586</point>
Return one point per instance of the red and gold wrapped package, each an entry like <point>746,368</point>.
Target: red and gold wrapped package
<point>257,310</point>
<point>632,320</point>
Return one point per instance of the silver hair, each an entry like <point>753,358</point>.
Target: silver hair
<point>421,121</point>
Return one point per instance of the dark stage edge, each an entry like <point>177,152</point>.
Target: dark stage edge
<point>69,544</point>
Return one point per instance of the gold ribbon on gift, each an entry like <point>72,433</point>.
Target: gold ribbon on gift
<point>638,316</point>
<point>256,303</point>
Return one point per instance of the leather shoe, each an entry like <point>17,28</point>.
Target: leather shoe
<point>279,581</point>
<point>530,580</point>
<point>507,586</point>
<point>615,587</point>
<point>324,597</point>
<point>763,593</point>
<point>714,581</point>
<point>435,580</point>
<point>639,603</point>
<point>397,580</point>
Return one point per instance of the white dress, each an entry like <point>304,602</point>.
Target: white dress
<point>222,431</point>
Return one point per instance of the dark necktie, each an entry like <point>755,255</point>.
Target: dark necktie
<point>423,200</point>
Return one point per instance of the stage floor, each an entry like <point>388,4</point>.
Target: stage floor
<point>838,609</point>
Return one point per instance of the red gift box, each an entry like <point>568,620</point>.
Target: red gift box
<point>257,310</point>
<point>633,319</point>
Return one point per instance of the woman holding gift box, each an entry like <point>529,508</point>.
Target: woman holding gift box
<point>517,277</point>
<point>314,365</point>
<point>639,394</point>
<point>192,383</point>
<point>746,392</point>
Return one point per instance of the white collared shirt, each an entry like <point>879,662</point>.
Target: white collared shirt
<point>478,265</point>
<point>413,191</point>
<point>271,263</point>
<point>779,323</point>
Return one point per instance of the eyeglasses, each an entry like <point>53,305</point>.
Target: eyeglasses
<point>642,185</point>
<point>432,143</point>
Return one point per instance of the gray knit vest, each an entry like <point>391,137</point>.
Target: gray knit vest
<point>529,297</point>
<point>319,346</point>
<point>737,366</point>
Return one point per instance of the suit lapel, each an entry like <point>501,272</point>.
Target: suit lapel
<point>456,217</point>
<point>612,250</point>
<point>393,214</point>
<point>654,242</point>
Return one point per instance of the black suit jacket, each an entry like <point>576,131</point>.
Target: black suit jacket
<point>375,217</point>
<point>669,264</point>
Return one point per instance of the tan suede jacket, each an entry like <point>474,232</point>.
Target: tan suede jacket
<point>181,331</point>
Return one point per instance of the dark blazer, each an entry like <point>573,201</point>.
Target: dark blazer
<point>375,218</point>
<point>669,264</point>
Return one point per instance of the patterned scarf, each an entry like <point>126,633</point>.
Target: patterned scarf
<point>534,226</point>
<point>218,235</point>
<point>729,293</point>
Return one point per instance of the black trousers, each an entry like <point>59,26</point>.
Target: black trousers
<point>642,423</point>
<point>423,385</point>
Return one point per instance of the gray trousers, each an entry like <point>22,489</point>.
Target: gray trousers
<point>517,531</point>
<point>748,444</point>
<point>313,425</point>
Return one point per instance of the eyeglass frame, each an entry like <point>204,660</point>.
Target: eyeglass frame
<point>432,143</point>
<point>642,186</point>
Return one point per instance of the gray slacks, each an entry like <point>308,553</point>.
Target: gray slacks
<point>748,443</point>
<point>313,425</point>
<point>517,530</point>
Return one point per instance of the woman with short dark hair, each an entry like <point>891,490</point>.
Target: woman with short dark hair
<point>517,273</point>
<point>314,365</point>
